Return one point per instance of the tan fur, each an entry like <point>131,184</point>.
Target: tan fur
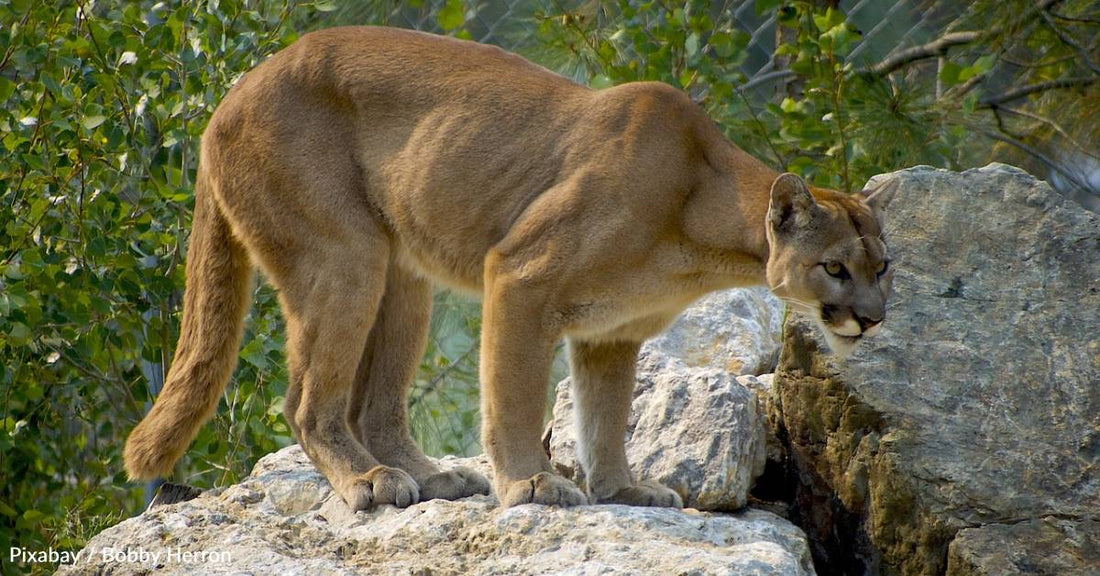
<point>360,164</point>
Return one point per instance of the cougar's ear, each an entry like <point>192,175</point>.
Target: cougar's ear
<point>880,196</point>
<point>791,203</point>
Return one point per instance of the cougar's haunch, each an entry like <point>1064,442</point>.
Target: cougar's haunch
<point>360,165</point>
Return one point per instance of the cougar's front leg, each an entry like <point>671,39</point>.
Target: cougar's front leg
<point>517,346</point>
<point>603,385</point>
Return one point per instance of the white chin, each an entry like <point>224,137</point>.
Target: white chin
<point>841,345</point>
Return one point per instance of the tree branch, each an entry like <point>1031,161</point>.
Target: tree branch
<point>991,101</point>
<point>937,47</point>
<point>966,87</point>
<point>1067,39</point>
<point>1083,19</point>
<point>1054,126</point>
<point>1037,63</point>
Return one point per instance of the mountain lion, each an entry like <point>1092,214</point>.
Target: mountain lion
<point>360,165</point>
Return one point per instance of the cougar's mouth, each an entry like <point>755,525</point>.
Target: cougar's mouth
<point>841,338</point>
<point>846,339</point>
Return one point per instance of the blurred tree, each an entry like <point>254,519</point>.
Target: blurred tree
<point>996,75</point>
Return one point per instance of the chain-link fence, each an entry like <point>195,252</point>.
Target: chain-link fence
<point>887,27</point>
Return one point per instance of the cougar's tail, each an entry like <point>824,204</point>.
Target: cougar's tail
<point>219,278</point>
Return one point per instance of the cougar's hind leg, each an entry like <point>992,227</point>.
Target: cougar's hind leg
<point>330,294</point>
<point>379,409</point>
<point>603,385</point>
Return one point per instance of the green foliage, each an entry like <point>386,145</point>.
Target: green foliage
<point>452,15</point>
<point>443,403</point>
<point>834,119</point>
<point>102,111</point>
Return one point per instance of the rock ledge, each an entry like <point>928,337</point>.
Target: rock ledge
<point>285,519</point>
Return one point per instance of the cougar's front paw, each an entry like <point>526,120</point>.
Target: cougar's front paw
<point>542,488</point>
<point>646,493</point>
<point>453,484</point>
<point>382,485</point>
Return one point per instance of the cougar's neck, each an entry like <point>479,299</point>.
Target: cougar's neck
<point>727,212</point>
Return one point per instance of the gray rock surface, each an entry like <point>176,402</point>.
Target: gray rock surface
<point>980,402</point>
<point>285,519</point>
<point>767,395</point>
<point>1041,546</point>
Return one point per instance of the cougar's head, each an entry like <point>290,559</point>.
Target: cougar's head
<point>828,258</point>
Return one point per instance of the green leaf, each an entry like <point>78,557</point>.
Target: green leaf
<point>949,73</point>
<point>692,44</point>
<point>678,18</point>
<point>92,122</point>
<point>790,105</point>
<point>253,353</point>
<point>686,77</point>
<point>765,6</point>
<point>325,5</point>
<point>829,20</point>
<point>980,66</point>
<point>277,405</point>
<point>452,15</point>
<point>7,88</point>
<point>19,333</point>
<point>601,81</point>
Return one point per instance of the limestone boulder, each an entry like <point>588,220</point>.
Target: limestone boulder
<point>696,430</point>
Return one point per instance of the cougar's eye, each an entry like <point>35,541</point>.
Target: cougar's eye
<point>882,268</point>
<point>835,269</point>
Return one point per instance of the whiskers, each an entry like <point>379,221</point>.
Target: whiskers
<point>808,308</point>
